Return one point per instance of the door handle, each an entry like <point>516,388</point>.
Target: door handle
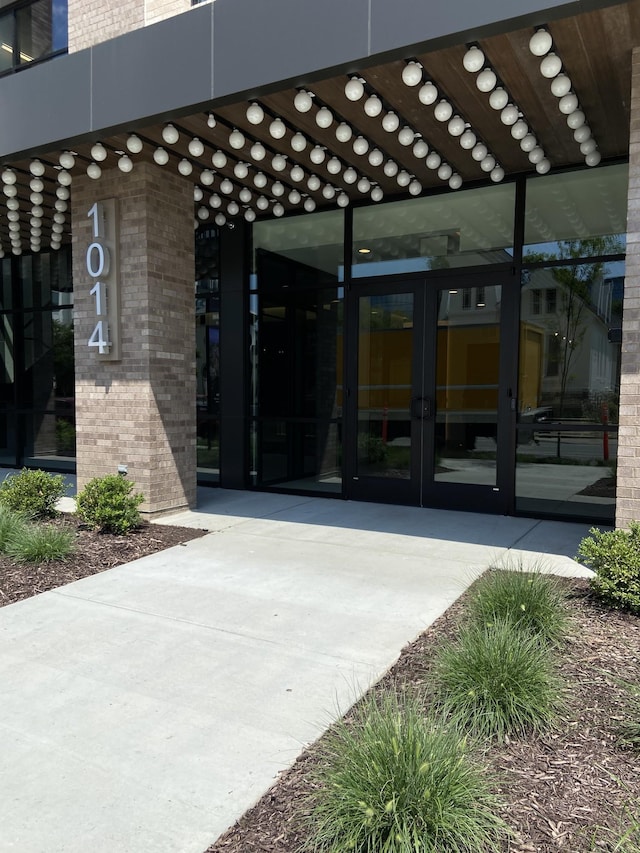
<point>421,408</point>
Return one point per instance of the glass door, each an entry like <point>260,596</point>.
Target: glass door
<point>430,415</point>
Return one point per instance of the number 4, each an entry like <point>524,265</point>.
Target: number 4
<point>98,338</point>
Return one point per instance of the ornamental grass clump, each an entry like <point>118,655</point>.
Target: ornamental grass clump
<point>531,600</point>
<point>11,526</point>
<point>497,680</point>
<point>40,543</point>
<point>391,780</point>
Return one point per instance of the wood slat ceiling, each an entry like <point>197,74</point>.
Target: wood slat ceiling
<point>595,48</point>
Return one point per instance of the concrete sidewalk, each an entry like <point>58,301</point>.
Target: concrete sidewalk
<point>146,708</point>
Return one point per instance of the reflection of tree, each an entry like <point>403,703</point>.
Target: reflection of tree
<point>575,296</point>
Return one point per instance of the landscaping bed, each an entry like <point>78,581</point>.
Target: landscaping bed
<point>574,787</point>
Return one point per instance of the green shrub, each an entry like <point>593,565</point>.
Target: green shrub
<point>532,600</point>
<point>107,504</point>
<point>393,781</point>
<point>11,525</point>
<point>497,680</point>
<point>614,556</point>
<point>32,492</point>
<point>40,543</point>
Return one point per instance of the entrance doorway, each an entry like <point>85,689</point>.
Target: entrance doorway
<point>431,409</point>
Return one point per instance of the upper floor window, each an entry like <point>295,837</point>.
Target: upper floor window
<point>31,31</point>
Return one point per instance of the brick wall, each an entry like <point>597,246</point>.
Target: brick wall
<point>94,21</point>
<point>140,411</point>
<point>628,491</point>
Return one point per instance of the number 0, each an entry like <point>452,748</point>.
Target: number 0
<point>97,250</point>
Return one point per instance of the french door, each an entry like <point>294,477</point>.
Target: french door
<point>430,407</point>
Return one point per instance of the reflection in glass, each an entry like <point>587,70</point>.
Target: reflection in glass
<point>567,473</point>
<point>34,27</point>
<point>465,228</point>
<point>207,253</point>
<point>385,353</point>
<point>7,37</point>
<point>577,214</point>
<point>467,373</point>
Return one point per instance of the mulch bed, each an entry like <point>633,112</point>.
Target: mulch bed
<point>605,487</point>
<point>573,789</point>
<point>94,552</point>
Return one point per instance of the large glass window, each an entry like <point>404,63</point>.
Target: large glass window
<point>435,232</point>
<point>208,353</point>
<point>32,31</point>
<point>296,344</point>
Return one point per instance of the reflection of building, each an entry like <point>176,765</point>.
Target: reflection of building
<point>396,276</point>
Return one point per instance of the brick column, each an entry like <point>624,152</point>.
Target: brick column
<point>140,411</point>
<point>628,490</point>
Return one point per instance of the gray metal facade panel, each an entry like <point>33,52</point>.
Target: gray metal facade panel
<point>259,43</point>
<point>49,101</point>
<point>153,71</point>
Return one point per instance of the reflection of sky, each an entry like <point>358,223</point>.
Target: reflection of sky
<point>59,36</point>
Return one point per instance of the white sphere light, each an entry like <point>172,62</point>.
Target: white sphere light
<point>310,205</point>
<point>415,187</point>
<point>317,155</point>
<point>428,94</point>
<point>406,136</point>
<point>277,189</point>
<point>303,101</point>
<point>520,129</point>
<point>206,177</point>
<point>455,181</point>
<point>536,155</point>
<point>479,151</point>
<point>560,86</point>
<point>161,157</point>
<point>528,143</point>
<point>125,164</point>
<point>498,99</point>
<point>497,174</point>
<point>220,219</point>
<point>343,200</point>
<point>376,194</point>
<point>203,212</point>
<point>509,115</point>
<point>456,126</point>
<point>373,106</point>
<point>67,160</point>
<point>236,139</point>
<point>279,163</point>
<point>443,110</point>
<point>390,122</point>
<point>219,159</point>
<point>354,89</point>
<point>98,152</point>
<point>343,132</point>
<point>390,169</point>
<point>36,168</point>
<point>445,171</point>
<point>262,203</point>
<point>294,197</point>
<point>551,66</point>
<point>488,163</point>
<point>9,190</point>
<point>134,144</point>
<point>376,157</point>
<point>184,166</point>
<point>473,60</point>
<point>568,104</point>
<point>420,149</point>
<point>34,198</point>
<point>543,166</point>
<point>576,119</point>
<point>314,183</point>
<point>334,166</point>
<point>298,142</point>
<point>540,43</point>
<point>197,194</point>
<point>582,133</point>
<point>64,178</point>
<point>14,216</point>
<point>9,176</point>
<point>170,134</point>
<point>250,215</point>
<point>211,120</point>
<point>593,158</point>
<point>328,192</point>
<point>588,146</point>
<point>196,147</point>
<point>486,80</point>
<point>363,185</point>
<point>233,208</point>
<point>226,186</point>
<point>324,118</point>
<point>63,193</point>
<point>412,74</point>
<point>241,170</point>
<point>468,140</point>
<point>433,160</point>
<point>255,113</point>
<point>61,205</point>
<point>403,178</point>
<point>260,180</point>
<point>297,174</point>
<point>360,145</point>
<point>350,175</point>
<point>277,128</point>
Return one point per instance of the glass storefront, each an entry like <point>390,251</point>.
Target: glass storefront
<point>207,282</point>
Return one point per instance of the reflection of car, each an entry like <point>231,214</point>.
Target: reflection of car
<point>533,416</point>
